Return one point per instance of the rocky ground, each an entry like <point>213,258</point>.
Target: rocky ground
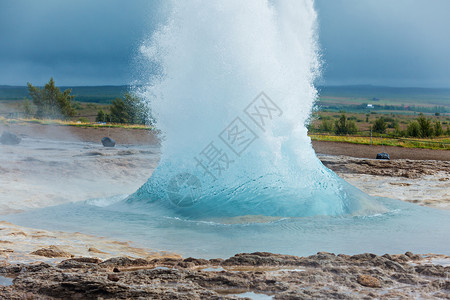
<point>275,276</point>
<point>423,182</point>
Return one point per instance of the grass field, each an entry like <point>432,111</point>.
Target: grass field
<point>365,120</point>
<point>442,143</point>
<point>23,121</point>
<point>384,99</point>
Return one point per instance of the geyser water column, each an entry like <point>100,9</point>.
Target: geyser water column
<point>231,100</point>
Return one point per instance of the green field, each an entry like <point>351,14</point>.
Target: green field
<point>384,99</point>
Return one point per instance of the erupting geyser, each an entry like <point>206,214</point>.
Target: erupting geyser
<point>233,96</point>
<point>237,171</point>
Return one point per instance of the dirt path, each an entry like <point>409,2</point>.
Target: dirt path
<point>367,151</point>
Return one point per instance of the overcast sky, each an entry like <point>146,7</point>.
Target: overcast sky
<point>87,42</point>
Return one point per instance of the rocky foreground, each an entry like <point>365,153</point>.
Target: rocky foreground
<point>323,275</point>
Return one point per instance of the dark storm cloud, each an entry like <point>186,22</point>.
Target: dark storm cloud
<point>386,42</point>
<point>77,42</point>
<point>90,42</point>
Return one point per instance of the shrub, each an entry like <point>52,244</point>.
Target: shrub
<point>344,126</point>
<point>425,126</point>
<point>102,116</point>
<point>28,109</point>
<point>326,126</point>
<point>438,131</point>
<point>397,131</point>
<point>393,124</point>
<point>83,120</point>
<point>380,125</point>
<point>130,110</point>
<point>413,129</point>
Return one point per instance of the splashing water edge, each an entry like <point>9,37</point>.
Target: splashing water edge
<point>232,102</point>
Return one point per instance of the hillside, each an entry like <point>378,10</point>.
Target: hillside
<point>94,94</point>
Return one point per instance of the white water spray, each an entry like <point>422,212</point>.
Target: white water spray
<point>226,152</point>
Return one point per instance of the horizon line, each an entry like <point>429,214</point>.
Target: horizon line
<point>317,86</point>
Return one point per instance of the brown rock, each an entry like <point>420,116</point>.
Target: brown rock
<point>369,281</point>
<point>409,254</point>
<point>113,277</point>
<point>95,250</point>
<point>6,250</point>
<point>52,251</point>
<point>89,260</point>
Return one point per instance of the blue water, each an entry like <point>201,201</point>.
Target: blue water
<point>405,227</point>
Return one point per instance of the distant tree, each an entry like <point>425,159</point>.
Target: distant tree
<point>394,123</point>
<point>425,126</point>
<point>51,102</point>
<point>129,109</point>
<point>102,116</point>
<point>326,126</point>
<point>379,125</point>
<point>28,109</point>
<point>344,126</point>
<point>119,111</point>
<point>397,131</point>
<point>351,127</point>
<point>438,130</point>
<point>413,129</point>
<point>448,130</point>
<point>136,109</point>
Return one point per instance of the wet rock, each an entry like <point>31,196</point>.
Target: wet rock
<point>383,155</point>
<point>168,261</point>
<point>113,277</point>
<point>89,260</point>
<point>95,250</point>
<point>369,281</point>
<point>9,138</point>
<point>52,251</point>
<point>216,261</point>
<point>124,262</point>
<point>261,259</point>
<point>413,256</point>
<point>108,142</point>
<point>197,261</point>
<point>79,262</point>
<point>322,276</point>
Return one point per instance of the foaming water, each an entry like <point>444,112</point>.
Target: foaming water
<point>235,91</point>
